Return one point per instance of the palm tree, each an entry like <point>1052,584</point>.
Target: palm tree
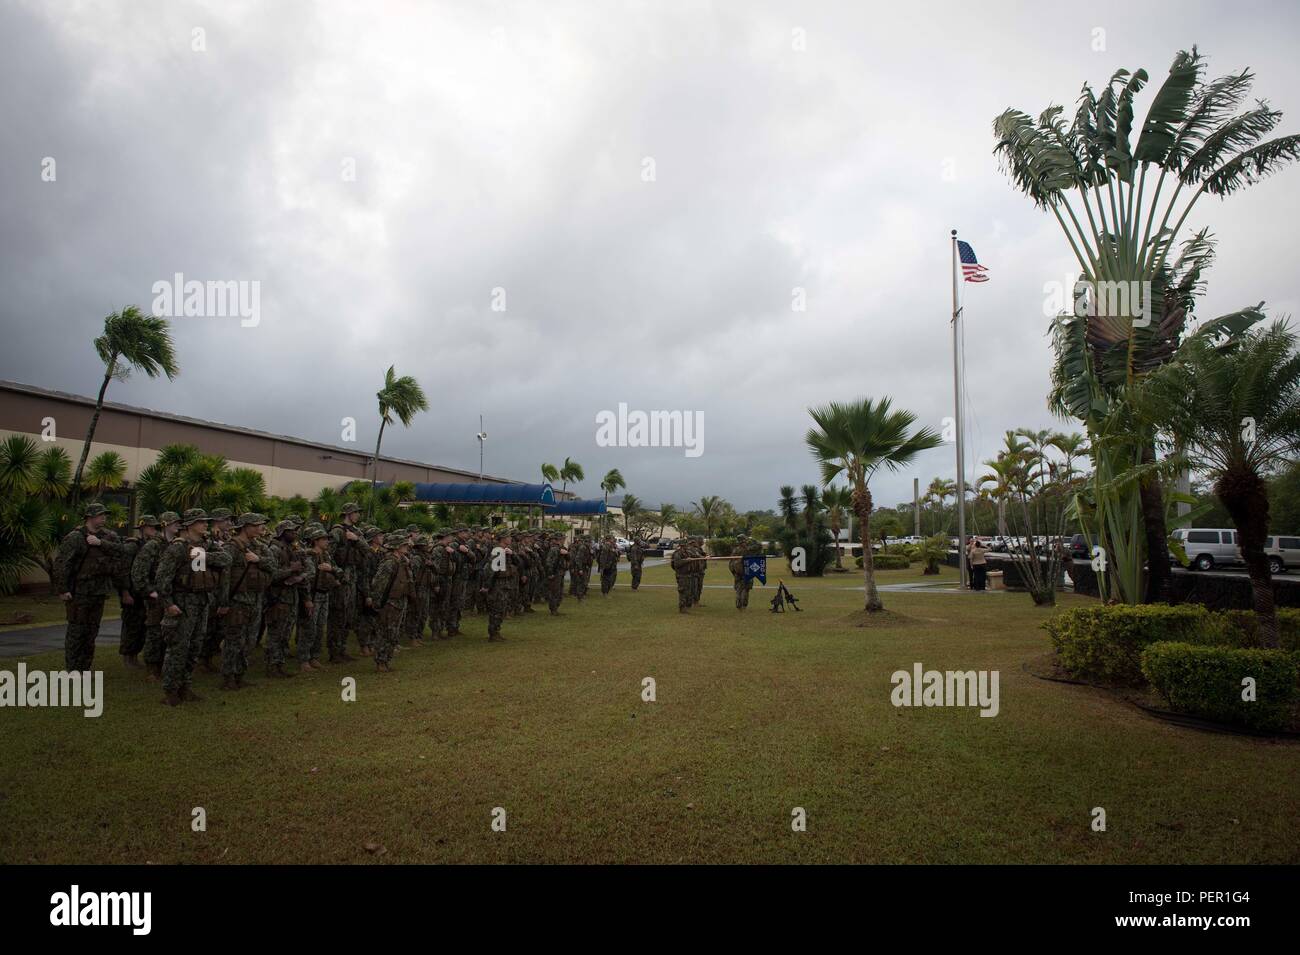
<point>550,473</point>
<point>1235,410</point>
<point>708,508</point>
<point>570,471</point>
<point>837,502</point>
<point>632,508</point>
<point>31,482</point>
<point>812,505</point>
<point>132,341</point>
<point>667,514</point>
<point>1194,137</point>
<point>938,492</point>
<point>53,474</point>
<point>402,397</point>
<point>194,481</point>
<point>1072,446</point>
<point>857,439</point>
<point>242,489</point>
<point>788,506</point>
<point>106,471</point>
<point>610,483</point>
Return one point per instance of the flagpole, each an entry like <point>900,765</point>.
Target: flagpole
<point>961,450</point>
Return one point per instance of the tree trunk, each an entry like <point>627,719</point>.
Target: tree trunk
<point>1245,496</point>
<point>835,529</point>
<point>862,507</point>
<point>374,480</point>
<point>1152,498</point>
<point>74,492</point>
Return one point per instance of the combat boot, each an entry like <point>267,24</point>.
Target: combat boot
<point>131,661</point>
<point>229,682</point>
<point>171,698</point>
<point>153,673</point>
<point>189,696</point>
<point>305,668</point>
<point>240,682</point>
<point>316,665</point>
<point>206,666</point>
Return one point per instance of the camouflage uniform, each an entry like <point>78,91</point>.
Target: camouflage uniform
<point>240,596</point>
<point>635,558</point>
<point>417,599</point>
<point>186,579</point>
<point>313,622</point>
<point>220,518</point>
<point>682,568</point>
<point>392,588</point>
<point>144,570</point>
<point>465,566</point>
<point>281,607</point>
<point>366,616</point>
<point>504,577</point>
<point>351,559</point>
<point>87,573</point>
<point>133,614</point>
<point>607,560</point>
<point>554,561</point>
<point>739,582</point>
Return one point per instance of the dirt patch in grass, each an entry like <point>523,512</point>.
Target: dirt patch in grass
<point>881,619</point>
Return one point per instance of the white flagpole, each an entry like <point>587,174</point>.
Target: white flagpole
<point>961,450</point>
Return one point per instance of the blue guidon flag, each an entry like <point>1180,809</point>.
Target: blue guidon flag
<point>970,267</point>
<point>756,567</point>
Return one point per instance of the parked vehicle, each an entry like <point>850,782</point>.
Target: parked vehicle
<point>622,543</point>
<point>1078,547</point>
<point>1283,553</point>
<point>1209,547</point>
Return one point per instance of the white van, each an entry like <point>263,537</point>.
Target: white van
<point>1209,547</point>
<point>1283,553</point>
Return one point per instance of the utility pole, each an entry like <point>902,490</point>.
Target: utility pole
<point>482,437</point>
<point>916,505</point>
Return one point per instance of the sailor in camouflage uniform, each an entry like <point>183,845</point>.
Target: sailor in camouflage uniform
<point>366,615</point>
<point>349,553</point>
<point>324,581</point>
<point>219,520</point>
<point>555,560</point>
<point>241,594</point>
<point>607,560</point>
<point>681,564</point>
<point>281,607</point>
<point>504,576</point>
<point>417,559</point>
<point>133,613</point>
<point>186,579</point>
<point>144,571</point>
<point>84,570</point>
<point>635,559</point>
<point>392,587</point>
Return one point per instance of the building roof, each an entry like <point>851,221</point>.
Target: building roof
<point>232,429</point>
<point>532,495</point>
<point>576,508</point>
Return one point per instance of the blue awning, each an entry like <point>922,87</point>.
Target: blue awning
<point>519,495</point>
<point>577,508</point>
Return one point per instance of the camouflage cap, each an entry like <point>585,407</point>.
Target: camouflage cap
<point>221,514</point>
<point>94,509</point>
<point>351,507</point>
<point>412,528</point>
<point>314,533</point>
<point>297,519</point>
<point>396,539</point>
<point>251,517</point>
<point>148,520</point>
<point>424,541</point>
<point>168,517</point>
<point>193,516</point>
<point>285,525</point>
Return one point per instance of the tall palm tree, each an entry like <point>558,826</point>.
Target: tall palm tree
<point>812,505</point>
<point>401,397</point>
<point>1235,410</point>
<point>789,506</point>
<point>195,481</point>
<point>938,492</point>
<point>709,508</point>
<point>610,483</point>
<point>837,502</point>
<point>1194,137</point>
<point>857,439</point>
<point>550,473</point>
<point>632,508</point>
<point>1071,446</point>
<point>570,471</point>
<point>132,341</point>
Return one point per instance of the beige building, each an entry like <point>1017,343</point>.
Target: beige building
<point>290,465</point>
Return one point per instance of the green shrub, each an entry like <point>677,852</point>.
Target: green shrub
<point>1243,629</point>
<point>721,546</point>
<point>1106,643</point>
<point>1207,682</point>
<point>889,562</point>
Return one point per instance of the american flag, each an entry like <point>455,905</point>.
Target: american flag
<point>970,267</point>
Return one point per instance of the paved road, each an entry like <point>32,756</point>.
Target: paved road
<point>24,643</point>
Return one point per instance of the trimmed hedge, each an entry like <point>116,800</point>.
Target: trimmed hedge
<point>1244,628</point>
<point>1106,643</point>
<point>1207,682</point>
<point>889,562</point>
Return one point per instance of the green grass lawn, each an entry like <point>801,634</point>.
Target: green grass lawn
<point>43,607</point>
<point>755,714</point>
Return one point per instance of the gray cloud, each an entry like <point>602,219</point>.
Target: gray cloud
<point>502,146</point>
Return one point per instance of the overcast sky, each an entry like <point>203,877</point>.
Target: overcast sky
<point>504,146</point>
